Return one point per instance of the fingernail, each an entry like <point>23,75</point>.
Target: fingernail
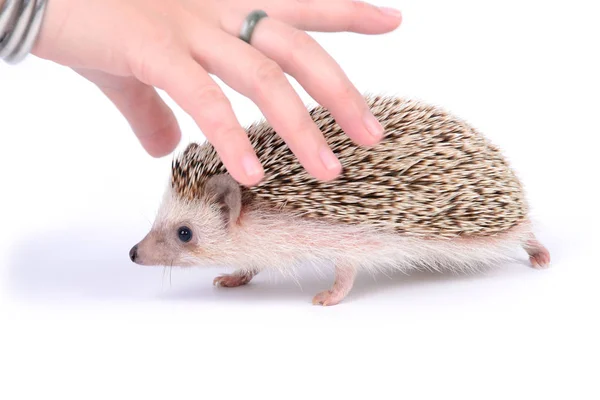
<point>373,126</point>
<point>391,11</point>
<point>251,166</point>
<point>329,159</point>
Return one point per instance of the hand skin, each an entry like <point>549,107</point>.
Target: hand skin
<point>130,47</point>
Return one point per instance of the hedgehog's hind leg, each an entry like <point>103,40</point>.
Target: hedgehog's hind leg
<point>236,279</point>
<point>344,280</point>
<point>539,256</point>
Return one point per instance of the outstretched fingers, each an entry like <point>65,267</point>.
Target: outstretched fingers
<point>279,46</point>
<point>199,95</point>
<point>302,57</point>
<point>261,79</point>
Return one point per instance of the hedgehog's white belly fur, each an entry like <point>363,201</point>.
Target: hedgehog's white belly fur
<point>264,241</point>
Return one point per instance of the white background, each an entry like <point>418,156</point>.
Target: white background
<point>80,321</point>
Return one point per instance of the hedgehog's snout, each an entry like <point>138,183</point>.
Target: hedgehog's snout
<point>133,253</point>
<point>151,251</point>
<point>139,254</point>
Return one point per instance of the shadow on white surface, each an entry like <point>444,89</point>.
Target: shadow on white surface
<point>85,264</point>
<point>81,263</point>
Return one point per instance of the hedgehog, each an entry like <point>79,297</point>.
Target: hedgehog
<point>433,194</point>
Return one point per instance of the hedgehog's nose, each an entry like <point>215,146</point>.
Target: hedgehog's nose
<point>133,253</point>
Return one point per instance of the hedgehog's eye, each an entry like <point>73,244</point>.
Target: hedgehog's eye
<point>185,234</point>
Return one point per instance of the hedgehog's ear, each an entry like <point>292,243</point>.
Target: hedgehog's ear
<point>227,195</point>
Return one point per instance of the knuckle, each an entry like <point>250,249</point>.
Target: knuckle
<point>145,68</point>
<point>147,55</point>
<point>211,103</point>
<point>209,96</point>
<point>161,37</point>
<point>340,91</point>
<point>226,134</point>
<point>269,73</point>
<point>306,127</point>
<point>302,44</point>
<point>354,11</point>
<point>359,7</point>
<point>345,92</point>
<point>213,116</point>
<point>301,39</point>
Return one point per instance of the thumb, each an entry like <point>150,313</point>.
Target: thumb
<point>150,118</point>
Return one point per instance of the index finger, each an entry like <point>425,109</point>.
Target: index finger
<point>198,94</point>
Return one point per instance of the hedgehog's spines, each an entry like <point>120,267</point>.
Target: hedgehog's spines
<point>432,175</point>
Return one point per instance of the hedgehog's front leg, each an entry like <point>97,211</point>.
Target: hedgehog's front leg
<point>344,280</point>
<point>238,278</point>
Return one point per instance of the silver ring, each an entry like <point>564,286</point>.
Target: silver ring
<point>250,23</point>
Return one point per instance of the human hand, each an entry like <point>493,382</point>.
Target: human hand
<point>129,47</point>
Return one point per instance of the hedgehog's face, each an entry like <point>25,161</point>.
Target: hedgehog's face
<point>187,233</point>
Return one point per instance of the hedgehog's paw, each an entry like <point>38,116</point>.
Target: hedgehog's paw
<point>540,260</point>
<point>539,256</point>
<point>344,280</point>
<point>233,280</point>
<point>328,298</point>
